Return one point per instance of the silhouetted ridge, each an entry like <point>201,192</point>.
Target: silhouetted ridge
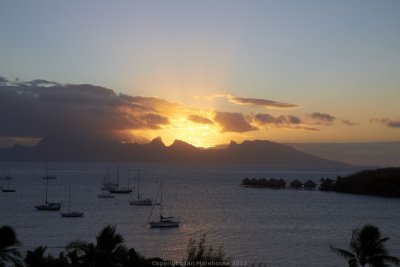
<point>157,142</point>
<point>65,147</point>
<point>180,145</point>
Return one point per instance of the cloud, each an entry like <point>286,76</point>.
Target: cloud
<point>38,108</point>
<point>395,124</point>
<point>322,118</point>
<point>269,119</point>
<point>254,101</point>
<point>282,121</point>
<point>348,123</point>
<point>233,122</point>
<point>199,119</point>
<point>154,121</point>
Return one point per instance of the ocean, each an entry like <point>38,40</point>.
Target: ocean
<point>262,227</point>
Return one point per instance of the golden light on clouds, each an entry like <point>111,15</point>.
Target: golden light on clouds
<point>96,111</point>
<point>182,128</point>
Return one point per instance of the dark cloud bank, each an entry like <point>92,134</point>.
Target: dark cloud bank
<point>37,108</point>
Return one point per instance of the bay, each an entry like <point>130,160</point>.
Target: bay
<point>254,226</point>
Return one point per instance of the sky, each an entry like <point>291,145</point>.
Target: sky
<point>205,72</point>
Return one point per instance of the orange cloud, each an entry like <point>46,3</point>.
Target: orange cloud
<point>253,101</point>
<point>322,118</point>
<point>269,119</point>
<point>282,121</point>
<point>199,119</point>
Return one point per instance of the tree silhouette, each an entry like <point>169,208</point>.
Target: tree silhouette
<point>367,248</point>
<point>9,253</point>
<point>200,254</point>
<point>109,250</point>
<point>36,258</point>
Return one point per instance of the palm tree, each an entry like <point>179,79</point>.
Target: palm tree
<point>108,251</point>
<point>36,257</point>
<point>8,247</point>
<point>367,248</point>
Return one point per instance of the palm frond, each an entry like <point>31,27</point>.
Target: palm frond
<point>343,253</point>
<point>386,258</point>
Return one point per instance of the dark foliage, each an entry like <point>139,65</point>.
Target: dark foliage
<point>383,182</point>
<point>367,248</point>
<point>264,183</point>
<point>9,243</point>
<point>107,251</point>
<point>201,254</point>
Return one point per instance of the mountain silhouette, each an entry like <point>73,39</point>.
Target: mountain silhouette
<point>65,147</point>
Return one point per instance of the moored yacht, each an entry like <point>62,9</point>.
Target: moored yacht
<point>50,206</point>
<point>164,221</point>
<point>140,200</point>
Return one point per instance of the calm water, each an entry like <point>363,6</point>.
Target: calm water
<point>274,227</point>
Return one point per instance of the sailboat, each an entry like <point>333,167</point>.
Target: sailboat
<point>139,200</point>
<point>69,213</point>
<point>164,221</point>
<point>118,189</point>
<point>107,185</point>
<point>7,188</point>
<point>50,206</point>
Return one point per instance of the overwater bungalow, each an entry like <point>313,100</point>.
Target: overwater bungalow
<point>273,183</point>
<point>281,183</point>
<point>310,185</point>
<point>263,182</point>
<point>296,184</point>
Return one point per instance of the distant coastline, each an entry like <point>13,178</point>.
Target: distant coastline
<point>379,182</point>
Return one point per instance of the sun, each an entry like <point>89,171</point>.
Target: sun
<point>196,134</point>
<point>181,128</point>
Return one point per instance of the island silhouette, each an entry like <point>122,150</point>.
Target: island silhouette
<point>75,148</point>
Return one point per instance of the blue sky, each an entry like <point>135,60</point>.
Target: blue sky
<point>335,57</point>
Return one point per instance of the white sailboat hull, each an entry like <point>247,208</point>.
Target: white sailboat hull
<point>163,224</point>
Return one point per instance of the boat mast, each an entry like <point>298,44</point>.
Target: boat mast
<point>69,197</point>
<point>161,199</point>
<point>47,181</point>
<point>117,175</point>
<point>138,186</point>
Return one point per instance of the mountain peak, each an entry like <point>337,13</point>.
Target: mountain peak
<point>232,144</point>
<point>181,144</point>
<point>157,141</point>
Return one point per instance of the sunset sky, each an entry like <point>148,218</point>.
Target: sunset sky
<point>205,72</point>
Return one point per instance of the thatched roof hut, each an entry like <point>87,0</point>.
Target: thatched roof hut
<point>296,184</point>
<point>263,182</point>
<point>282,183</point>
<point>273,183</point>
<point>310,185</point>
